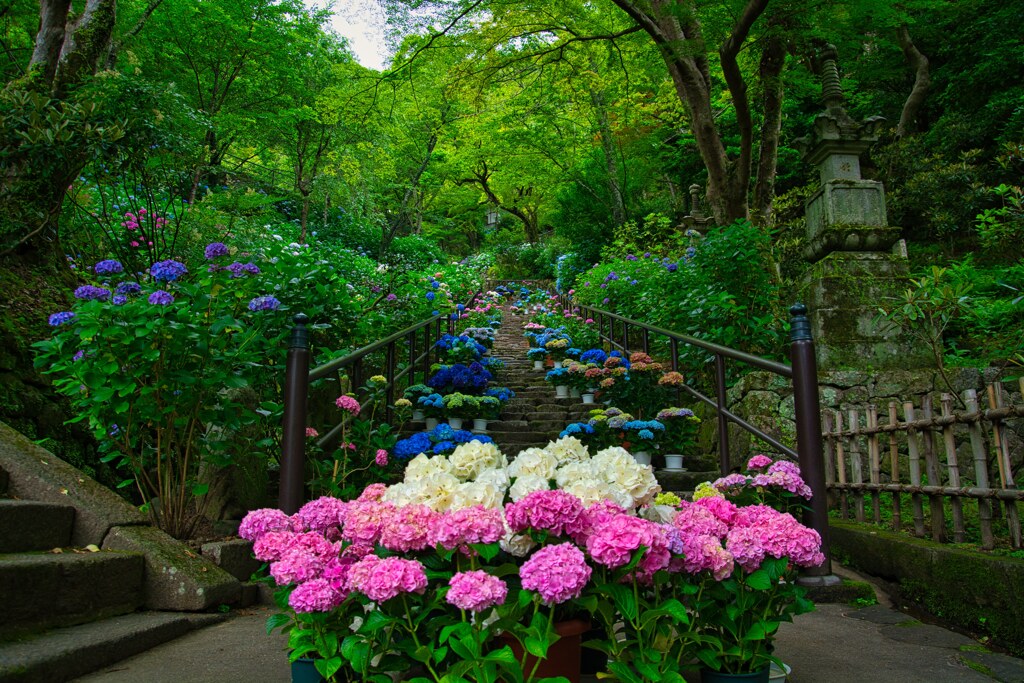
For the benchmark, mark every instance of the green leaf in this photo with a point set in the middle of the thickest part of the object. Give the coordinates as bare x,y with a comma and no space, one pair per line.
759,580
328,667
276,621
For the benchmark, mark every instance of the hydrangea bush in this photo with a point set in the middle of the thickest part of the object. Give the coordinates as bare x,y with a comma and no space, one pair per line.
427,572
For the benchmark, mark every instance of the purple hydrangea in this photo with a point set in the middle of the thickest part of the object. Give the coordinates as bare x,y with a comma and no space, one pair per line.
239,269
79,355
215,249
119,300
161,298
391,297
672,267
108,267
264,303
127,288
91,293
167,271
58,319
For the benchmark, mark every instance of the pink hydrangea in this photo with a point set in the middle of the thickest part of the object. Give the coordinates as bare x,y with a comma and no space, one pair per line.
729,481
348,403
324,514
476,591
374,492
556,572
784,480
311,433
723,510
554,511
315,595
273,545
705,553
381,458
460,528
383,579
259,522
408,529
698,520
785,466
761,531
759,462
594,517
296,565
364,519
613,543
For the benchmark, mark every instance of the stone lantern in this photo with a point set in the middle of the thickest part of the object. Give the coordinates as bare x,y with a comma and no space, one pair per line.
859,262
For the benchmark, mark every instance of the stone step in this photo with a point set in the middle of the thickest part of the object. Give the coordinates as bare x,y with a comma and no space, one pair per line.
685,481
66,653
506,437
75,587
27,525
4,481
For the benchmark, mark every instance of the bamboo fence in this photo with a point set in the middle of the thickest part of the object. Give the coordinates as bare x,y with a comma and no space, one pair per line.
913,455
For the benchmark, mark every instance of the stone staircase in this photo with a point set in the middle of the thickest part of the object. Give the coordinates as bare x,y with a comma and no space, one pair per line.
71,602
534,417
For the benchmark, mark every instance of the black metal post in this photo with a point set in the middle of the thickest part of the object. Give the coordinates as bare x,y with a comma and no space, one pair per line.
296,397
625,338
808,437
426,354
723,421
646,339
411,339
389,374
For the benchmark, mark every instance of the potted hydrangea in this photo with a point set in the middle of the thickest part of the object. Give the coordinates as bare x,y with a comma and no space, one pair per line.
559,377
680,431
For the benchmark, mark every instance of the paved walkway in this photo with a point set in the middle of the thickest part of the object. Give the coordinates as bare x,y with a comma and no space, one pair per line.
835,644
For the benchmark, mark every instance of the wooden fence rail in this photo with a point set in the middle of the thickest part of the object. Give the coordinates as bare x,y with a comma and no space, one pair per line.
919,456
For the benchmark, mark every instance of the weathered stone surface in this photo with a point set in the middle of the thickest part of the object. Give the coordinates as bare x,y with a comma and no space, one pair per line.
27,525
966,587
176,579
37,474
234,557
926,635
73,587
63,654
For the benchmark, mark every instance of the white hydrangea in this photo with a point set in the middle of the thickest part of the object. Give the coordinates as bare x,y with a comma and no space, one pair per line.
568,449
423,466
573,471
517,545
533,461
495,477
469,459
477,493
437,491
528,483
402,494
661,514
628,475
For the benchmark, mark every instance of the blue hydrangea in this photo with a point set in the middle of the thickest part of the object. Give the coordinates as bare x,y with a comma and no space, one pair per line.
58,319
430,296
108,267
444,447
119,300
595,356
413,446
645,434
237,269
215,249
92,293
264,303
128,288
161,298
167,271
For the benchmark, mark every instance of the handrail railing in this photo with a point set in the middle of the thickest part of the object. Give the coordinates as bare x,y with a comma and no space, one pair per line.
298,377
802,371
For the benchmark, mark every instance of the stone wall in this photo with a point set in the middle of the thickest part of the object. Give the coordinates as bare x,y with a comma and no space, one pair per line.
766,401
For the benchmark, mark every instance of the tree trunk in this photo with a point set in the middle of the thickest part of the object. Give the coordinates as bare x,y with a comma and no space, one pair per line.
305,218
611,151
53,19
922,82
85,45
772,61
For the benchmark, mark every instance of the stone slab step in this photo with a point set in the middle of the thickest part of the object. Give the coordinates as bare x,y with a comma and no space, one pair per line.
683,481
518,438
27,525
46,590
66,653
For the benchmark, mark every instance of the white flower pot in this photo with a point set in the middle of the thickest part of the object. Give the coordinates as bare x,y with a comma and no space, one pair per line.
538,365
455,422
431,423
673,461
417,415
479,426
574,392
777,674
558,364
642,457
561,391
588,399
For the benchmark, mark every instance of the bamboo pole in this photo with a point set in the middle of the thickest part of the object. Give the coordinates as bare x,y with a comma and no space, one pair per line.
894,468
953,471
915,470
874,457
844,505
980,472
856,464
830,463
1003,454
931,463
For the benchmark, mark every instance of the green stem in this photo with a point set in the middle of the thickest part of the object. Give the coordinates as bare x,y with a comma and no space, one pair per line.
547,638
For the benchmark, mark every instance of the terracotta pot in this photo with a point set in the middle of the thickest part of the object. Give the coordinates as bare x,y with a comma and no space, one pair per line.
563,657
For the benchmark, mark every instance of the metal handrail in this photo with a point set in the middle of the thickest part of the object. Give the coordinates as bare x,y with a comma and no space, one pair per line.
803,373
298,377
